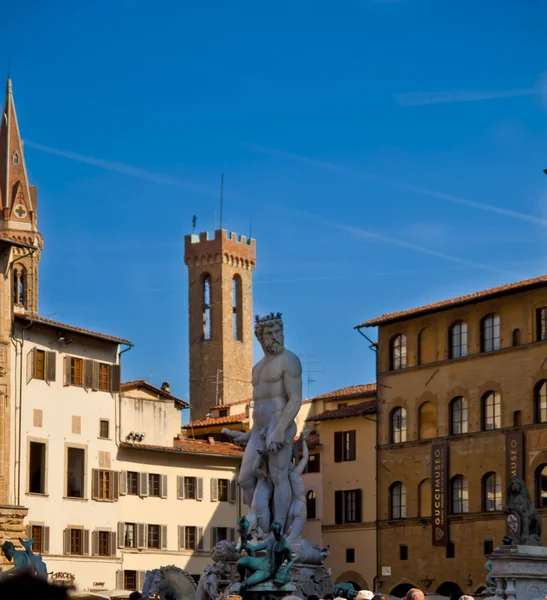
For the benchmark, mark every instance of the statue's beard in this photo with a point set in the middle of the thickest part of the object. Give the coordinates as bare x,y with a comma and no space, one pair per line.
273,347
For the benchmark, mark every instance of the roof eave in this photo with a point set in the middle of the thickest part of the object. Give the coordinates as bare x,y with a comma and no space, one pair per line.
185,452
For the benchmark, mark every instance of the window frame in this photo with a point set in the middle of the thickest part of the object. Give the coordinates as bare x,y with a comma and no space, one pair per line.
104,422
129,531
458,340
458,407
154,485
397,510
398,352
541,494
190,487
190,531
491,323
76,372
151,530
78,539
492,485
541,324
400,430
459,495
489,421
540,401
311,505
223,490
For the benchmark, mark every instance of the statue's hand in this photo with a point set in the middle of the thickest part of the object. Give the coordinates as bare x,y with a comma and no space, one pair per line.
275,440
239,437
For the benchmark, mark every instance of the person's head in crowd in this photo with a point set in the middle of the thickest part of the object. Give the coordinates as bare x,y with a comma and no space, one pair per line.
415,594
135,596
364,595
313,597
328,597
465,597
28,587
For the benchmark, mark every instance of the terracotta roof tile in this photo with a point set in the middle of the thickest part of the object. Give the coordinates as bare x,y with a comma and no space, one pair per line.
502,290
192,447
210,421
348,393
43,321
354,410
313,440
248,401
141,383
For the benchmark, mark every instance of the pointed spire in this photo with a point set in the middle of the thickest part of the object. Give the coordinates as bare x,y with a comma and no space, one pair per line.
17,197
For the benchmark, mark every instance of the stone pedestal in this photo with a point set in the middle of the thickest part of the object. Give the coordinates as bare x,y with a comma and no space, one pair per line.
520,572
11,527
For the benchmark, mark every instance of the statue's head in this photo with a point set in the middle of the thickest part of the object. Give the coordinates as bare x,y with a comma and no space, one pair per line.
276,529
8,549
269,332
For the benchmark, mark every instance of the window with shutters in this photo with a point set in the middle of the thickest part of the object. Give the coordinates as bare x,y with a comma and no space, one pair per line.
37,534
344,446
75,476
105,484
130,580
130,535
347,506
40,368
76,541
76,369
154,536
104,429
311,504
190,488
132,483
104,377
314,464
223,487
154,485
37,468
190,538
222,533
104,543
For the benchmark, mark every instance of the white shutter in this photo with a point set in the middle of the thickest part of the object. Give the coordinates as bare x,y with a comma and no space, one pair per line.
231,534
180,487
143,484
119,580
200,545
214,537
141,576
142,537
31,362
181,537
163,536
66,370
123,483
199,488
112,541
45,540
121,534
232,491
163,486
214,489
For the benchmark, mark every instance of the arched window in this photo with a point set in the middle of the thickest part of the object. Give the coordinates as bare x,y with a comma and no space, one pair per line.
491,493
237,298
490,333
491,411
207,307
428,421
458,340
398,352
459,495
398,425
458,416
311,502
397,494
541,401
20,287
541,486
15,158
516,337
424,498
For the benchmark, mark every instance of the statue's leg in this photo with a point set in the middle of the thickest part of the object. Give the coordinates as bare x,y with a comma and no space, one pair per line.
247,479
279,472
242,566
257,577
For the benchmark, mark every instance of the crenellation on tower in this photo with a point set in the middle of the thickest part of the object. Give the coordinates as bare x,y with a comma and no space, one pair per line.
220,318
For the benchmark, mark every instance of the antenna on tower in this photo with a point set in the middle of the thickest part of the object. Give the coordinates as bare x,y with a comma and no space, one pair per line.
9,66
309,370
194,221
221,197
250,229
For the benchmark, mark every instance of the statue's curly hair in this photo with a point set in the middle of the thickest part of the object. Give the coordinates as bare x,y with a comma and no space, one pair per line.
267,321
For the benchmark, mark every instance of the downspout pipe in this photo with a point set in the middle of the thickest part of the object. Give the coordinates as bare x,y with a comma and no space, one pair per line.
374,347
119,415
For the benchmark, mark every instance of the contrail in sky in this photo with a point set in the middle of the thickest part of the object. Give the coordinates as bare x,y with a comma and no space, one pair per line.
335,168
124,169
422,98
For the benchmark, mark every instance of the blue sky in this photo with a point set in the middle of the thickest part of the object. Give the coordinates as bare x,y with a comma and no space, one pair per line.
388,154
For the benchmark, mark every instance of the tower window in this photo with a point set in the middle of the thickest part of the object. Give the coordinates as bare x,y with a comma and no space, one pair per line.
15,158
237,297
207,307
20,287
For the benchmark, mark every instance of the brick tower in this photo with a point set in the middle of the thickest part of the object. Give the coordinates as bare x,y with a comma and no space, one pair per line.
220,311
